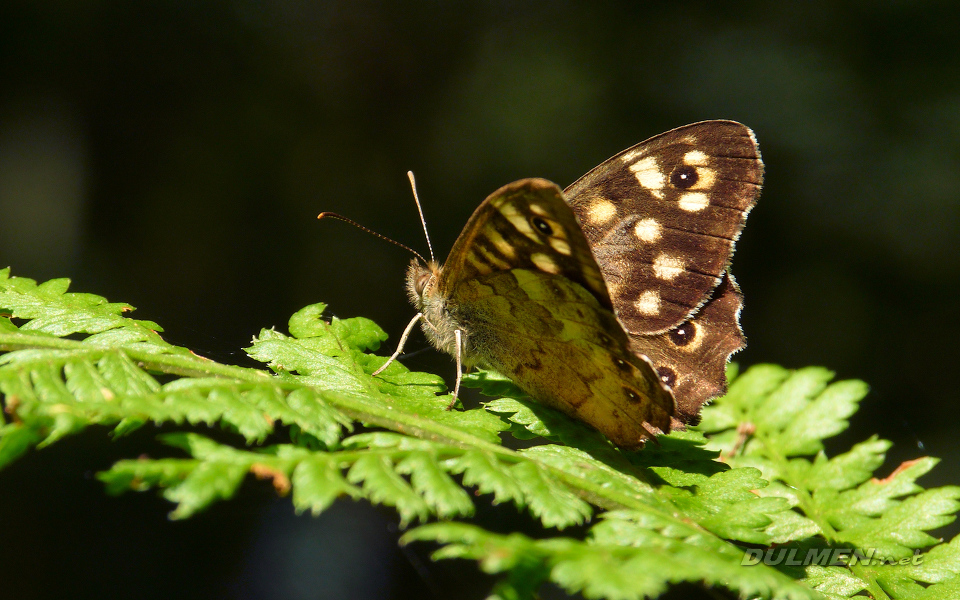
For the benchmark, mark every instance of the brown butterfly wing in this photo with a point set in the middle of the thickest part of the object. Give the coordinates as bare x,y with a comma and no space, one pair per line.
522,284
552,338
692,357
662,218
524,225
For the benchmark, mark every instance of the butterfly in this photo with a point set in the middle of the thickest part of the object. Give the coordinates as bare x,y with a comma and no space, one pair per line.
609,301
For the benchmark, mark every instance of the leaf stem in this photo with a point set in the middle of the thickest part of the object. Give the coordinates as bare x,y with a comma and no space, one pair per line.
171,359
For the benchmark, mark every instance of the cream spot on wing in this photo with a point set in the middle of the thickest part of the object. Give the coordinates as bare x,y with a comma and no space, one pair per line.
694,201
629,156
491,258
705,178
545,263
601,211
481,267
498,201
696,157
647,230
648,303
560,246
538,210
667,267
505,247
519,221
648,173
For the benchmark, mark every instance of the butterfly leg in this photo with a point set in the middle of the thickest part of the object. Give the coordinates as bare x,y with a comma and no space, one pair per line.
456,386
403,341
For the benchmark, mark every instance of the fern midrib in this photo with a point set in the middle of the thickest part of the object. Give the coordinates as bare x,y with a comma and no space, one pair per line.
162,361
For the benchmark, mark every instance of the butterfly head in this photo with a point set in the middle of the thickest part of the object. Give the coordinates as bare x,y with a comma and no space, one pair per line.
423,287
422,282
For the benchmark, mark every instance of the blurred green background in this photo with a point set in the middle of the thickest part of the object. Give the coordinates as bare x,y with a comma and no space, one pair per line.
175,155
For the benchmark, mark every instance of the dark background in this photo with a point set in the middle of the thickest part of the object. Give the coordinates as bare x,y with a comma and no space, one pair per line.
174,155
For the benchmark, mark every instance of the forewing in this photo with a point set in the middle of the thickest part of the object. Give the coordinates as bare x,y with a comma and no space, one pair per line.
523,225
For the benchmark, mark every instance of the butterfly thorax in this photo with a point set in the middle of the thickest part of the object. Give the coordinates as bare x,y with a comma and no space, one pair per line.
438,324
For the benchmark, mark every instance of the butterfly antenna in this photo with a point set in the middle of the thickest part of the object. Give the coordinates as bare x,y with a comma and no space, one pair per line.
331,215
413,186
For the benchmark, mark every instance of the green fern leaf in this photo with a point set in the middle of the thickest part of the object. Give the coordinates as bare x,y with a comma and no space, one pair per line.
598,570
780,417
383,485
15,440
902,528
482,469
669,513
547,498
441,493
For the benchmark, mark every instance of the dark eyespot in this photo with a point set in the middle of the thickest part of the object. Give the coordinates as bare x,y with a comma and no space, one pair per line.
632,396
667,375
622,364
684,334
684,177
542,226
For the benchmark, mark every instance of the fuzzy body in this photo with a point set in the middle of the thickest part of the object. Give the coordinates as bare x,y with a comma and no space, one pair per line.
439,325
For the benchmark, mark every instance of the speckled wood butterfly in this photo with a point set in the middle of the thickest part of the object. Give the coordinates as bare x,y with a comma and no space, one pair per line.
609,301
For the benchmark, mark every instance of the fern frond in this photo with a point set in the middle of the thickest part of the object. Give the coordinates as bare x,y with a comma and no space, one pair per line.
775,420
597,568
670,513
